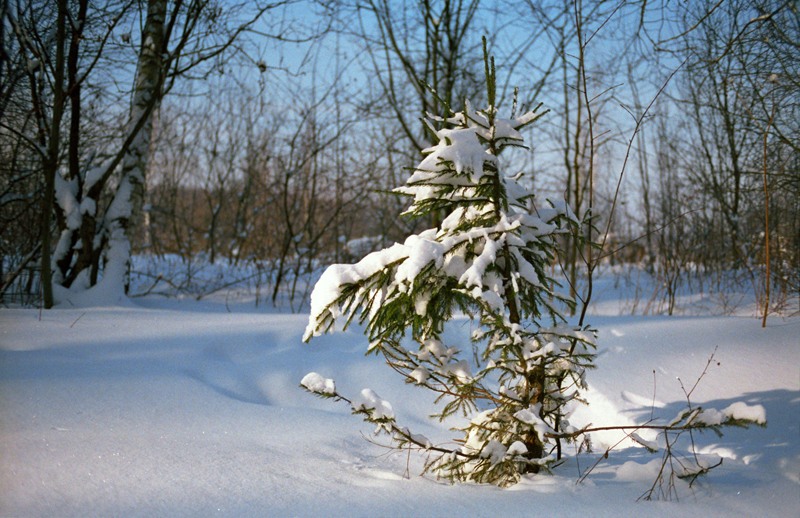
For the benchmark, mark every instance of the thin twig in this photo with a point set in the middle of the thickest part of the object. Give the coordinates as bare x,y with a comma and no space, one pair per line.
76,320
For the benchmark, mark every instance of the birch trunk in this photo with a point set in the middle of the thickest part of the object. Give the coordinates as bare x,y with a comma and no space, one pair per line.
129,195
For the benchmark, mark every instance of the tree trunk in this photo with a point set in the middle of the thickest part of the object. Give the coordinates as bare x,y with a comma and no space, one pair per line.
129,196
53,151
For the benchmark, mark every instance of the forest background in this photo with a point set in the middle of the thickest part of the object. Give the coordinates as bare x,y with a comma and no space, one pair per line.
267,136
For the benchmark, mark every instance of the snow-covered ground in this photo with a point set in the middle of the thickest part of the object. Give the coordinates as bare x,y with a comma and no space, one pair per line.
163,407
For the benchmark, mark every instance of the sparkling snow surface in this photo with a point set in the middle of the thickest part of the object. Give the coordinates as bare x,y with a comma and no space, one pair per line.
179,408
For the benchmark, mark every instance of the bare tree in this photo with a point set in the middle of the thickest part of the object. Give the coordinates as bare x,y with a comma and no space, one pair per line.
178,39
741,99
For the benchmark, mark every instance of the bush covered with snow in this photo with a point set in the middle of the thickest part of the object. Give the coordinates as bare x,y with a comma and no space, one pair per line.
488,258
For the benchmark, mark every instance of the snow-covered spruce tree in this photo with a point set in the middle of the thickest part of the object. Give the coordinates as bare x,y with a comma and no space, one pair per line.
488,259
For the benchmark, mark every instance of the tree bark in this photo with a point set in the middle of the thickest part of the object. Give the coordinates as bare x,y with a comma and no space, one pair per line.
129,196
53,151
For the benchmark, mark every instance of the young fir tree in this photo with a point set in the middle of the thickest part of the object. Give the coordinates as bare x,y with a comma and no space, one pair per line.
487,259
